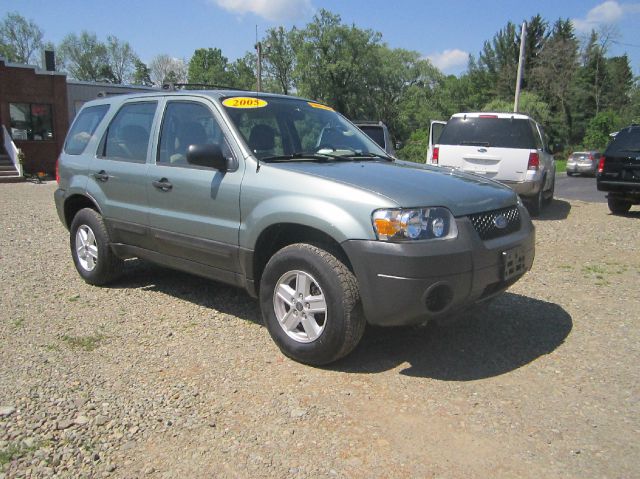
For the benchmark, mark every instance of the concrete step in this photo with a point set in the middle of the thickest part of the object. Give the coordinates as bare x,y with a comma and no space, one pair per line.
8,173
12,179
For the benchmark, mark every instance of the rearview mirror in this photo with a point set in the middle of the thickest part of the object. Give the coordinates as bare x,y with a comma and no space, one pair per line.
207,155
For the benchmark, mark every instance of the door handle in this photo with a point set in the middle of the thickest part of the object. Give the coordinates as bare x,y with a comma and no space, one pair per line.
163,184
101,176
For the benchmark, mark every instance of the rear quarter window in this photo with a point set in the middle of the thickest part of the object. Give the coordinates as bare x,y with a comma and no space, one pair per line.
489,132
83,129
627,141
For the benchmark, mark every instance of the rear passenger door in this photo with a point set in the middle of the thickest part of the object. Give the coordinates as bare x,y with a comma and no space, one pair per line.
194,210
117,173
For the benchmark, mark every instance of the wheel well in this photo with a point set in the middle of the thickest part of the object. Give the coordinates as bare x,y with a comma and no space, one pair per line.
75,203
276,237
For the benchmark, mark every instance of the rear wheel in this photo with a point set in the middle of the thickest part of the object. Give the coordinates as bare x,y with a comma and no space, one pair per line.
90,249
548,196
618,206
308,299
535,203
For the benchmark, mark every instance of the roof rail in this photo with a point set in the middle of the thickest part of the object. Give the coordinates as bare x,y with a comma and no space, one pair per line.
201,86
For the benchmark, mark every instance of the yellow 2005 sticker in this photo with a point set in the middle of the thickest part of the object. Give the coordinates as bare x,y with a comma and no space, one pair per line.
244,102
320,105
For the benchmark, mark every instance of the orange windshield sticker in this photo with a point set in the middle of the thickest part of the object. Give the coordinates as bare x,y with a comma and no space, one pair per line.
320,105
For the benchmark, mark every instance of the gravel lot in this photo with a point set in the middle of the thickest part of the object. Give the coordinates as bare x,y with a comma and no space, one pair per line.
168,375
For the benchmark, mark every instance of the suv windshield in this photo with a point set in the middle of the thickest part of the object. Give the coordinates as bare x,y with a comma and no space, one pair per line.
494,132
276,127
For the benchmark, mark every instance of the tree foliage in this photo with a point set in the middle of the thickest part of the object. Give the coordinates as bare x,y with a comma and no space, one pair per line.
20,39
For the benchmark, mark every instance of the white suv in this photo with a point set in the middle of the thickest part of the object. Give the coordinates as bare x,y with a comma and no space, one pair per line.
508,147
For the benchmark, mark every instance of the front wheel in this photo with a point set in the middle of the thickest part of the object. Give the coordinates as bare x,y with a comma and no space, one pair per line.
618,207
90,249
308,299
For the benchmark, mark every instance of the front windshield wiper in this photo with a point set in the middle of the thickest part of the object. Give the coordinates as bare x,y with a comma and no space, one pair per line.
301,155
370,155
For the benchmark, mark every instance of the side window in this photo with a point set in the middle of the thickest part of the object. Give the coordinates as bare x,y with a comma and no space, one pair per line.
83,129
127,137
536,136
187,123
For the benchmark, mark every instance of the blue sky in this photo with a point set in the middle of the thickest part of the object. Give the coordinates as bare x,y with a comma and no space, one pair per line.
445,32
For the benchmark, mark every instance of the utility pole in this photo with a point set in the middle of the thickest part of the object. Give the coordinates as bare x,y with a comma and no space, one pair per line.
523,35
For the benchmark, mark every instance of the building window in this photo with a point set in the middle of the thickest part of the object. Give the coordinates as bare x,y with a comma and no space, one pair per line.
31,121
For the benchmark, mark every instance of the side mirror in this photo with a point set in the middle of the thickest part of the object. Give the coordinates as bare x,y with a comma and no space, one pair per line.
207,155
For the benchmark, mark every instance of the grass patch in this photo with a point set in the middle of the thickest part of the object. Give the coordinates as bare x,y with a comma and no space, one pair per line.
17,323
73,298
52,347
594,269
16,450
561,166
87,343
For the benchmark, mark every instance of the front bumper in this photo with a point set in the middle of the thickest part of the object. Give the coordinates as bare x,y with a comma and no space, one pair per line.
398,281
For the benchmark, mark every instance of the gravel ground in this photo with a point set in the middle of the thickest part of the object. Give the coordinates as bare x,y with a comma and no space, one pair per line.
168,375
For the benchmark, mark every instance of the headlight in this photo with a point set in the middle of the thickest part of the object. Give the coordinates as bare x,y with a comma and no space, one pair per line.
414,224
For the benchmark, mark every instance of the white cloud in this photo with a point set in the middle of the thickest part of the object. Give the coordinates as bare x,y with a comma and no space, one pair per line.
607,13
449,59
272,10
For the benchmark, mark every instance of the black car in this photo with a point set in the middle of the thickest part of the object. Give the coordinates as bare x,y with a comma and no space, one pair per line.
619,170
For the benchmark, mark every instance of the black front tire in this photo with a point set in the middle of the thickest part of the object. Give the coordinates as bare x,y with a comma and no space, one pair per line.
343,325
618,206
104,266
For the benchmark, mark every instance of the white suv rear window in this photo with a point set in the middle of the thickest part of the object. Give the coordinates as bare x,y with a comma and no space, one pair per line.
488,132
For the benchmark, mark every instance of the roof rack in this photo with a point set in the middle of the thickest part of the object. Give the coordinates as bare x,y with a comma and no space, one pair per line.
201,86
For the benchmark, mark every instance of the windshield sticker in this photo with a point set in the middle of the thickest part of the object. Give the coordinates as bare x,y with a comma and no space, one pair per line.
320,105
244,102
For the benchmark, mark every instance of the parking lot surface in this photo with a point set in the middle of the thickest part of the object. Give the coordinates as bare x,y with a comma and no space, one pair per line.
168,375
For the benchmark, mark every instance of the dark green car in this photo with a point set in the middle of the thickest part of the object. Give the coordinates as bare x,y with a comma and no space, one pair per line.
284,197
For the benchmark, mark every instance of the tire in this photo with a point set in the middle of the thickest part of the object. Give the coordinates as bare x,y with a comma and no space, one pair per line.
327,286
95,261
570,174
548,197
618,207
536,203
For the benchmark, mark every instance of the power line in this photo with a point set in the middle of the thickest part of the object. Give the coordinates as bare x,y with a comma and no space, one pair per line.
625,44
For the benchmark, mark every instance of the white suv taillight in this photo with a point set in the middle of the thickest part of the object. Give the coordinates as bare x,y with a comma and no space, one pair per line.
534,161
436,155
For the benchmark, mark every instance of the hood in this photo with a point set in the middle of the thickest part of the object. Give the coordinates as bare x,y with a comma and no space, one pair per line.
412,184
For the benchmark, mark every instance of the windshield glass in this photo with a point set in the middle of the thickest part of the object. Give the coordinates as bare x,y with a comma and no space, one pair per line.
277,127
495,132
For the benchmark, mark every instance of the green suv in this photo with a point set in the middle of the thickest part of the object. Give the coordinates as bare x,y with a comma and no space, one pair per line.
286,198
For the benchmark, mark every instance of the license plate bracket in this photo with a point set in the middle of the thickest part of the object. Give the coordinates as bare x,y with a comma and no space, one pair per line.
513,263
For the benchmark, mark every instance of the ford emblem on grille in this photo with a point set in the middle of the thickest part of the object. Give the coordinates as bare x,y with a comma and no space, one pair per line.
500,221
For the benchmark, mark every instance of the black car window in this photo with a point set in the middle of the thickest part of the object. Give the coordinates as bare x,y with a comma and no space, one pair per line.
83,129
187,123
376,133
488,131
127,137
626,141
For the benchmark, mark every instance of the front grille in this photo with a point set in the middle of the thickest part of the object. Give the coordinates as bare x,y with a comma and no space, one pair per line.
485,223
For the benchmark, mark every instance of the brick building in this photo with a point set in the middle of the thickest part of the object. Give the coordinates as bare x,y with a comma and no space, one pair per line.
34,110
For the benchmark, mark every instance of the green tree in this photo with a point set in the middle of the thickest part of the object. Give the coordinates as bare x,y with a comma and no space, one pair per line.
121,59
279,60
243,72
85,58
597,135
530,104
141,74
210,67
332,61
20,39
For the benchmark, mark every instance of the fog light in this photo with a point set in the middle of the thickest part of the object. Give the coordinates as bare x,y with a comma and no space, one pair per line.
437,227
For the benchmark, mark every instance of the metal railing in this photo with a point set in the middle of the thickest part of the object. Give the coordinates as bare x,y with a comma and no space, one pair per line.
12,150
